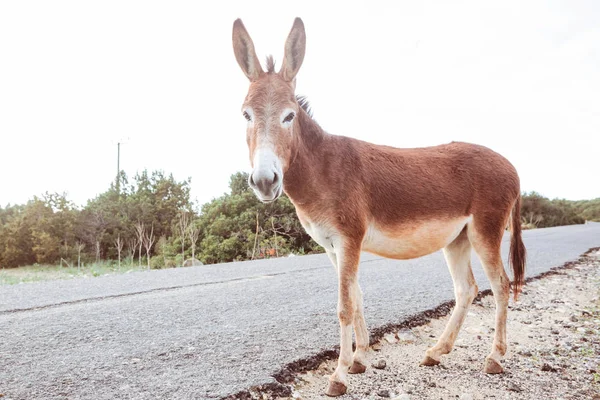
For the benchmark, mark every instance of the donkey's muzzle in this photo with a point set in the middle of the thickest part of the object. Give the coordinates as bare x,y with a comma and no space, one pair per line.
266,184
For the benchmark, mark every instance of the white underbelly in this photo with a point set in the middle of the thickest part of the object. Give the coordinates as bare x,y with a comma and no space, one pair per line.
412,240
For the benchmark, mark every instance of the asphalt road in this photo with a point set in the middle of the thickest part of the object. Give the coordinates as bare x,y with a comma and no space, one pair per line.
206,332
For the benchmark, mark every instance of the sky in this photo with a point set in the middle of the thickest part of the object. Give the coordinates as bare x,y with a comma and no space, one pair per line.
76,78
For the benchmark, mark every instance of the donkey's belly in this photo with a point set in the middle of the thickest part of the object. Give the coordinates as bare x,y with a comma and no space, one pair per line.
412,240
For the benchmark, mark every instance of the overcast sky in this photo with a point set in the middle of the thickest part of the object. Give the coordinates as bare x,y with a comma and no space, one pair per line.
78,76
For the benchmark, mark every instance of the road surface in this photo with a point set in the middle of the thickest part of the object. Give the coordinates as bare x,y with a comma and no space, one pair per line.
210,331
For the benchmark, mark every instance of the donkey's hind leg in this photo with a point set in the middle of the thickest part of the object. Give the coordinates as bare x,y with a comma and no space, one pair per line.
458,257
486,238
361,333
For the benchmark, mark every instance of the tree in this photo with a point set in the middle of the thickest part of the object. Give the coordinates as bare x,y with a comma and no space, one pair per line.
238,183
183,223
17,243
79,246
141,234
148,242
45,238
541,212
234,224
132,245
162,246
119,246
193,232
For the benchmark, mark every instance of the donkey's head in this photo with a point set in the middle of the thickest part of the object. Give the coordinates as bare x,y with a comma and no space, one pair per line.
270,109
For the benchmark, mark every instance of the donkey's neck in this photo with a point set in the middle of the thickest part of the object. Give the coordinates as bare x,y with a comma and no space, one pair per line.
299,182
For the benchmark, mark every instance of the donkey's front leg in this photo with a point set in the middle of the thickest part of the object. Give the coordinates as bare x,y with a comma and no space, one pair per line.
347,260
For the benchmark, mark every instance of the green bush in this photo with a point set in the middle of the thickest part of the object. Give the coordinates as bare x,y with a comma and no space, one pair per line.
157,262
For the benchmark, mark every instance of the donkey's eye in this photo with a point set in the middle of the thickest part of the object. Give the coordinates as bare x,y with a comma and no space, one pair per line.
247,116
289,117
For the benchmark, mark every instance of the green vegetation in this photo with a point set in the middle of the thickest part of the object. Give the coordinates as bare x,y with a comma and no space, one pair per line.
36,272
538,211
151,223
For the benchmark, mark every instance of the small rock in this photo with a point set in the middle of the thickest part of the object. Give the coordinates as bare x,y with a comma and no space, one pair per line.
406,336
379,364
574,318
525,353
512,387
554,332
383,393
548,368
390,338
466,396
403,396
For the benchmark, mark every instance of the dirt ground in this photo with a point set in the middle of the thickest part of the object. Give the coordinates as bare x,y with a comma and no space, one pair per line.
554,349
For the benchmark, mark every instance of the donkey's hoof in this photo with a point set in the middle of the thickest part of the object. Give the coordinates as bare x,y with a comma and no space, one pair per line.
335,389
492,366
429,362
357,368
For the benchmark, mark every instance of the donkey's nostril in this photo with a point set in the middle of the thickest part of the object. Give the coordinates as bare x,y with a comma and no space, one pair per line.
276,178
251,181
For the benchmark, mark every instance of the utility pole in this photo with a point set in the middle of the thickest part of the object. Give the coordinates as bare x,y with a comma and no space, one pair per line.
118,179
118,166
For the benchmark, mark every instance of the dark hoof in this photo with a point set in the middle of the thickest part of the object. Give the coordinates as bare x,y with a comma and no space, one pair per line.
429,362
492,367
357,368
335,389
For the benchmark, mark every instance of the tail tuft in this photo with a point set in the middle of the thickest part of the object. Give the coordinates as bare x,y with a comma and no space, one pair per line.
517,253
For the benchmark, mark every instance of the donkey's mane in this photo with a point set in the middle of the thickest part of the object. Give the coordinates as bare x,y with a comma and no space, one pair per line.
270,65
303,102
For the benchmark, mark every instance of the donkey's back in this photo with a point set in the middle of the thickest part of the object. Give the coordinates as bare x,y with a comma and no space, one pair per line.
439,182
420,199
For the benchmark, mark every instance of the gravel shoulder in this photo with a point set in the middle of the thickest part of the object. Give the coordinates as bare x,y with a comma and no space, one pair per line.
554,349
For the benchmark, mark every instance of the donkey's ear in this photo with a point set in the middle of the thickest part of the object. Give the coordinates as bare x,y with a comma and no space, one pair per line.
243,47
293,55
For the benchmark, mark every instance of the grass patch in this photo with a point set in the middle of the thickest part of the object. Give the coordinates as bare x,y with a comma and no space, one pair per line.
37,273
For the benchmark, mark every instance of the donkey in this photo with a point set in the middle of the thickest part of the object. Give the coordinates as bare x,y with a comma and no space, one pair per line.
401,203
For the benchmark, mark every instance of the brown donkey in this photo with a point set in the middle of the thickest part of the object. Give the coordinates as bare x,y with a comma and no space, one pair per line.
352,195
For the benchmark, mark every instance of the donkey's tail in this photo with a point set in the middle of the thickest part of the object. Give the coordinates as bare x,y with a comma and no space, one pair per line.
517,252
